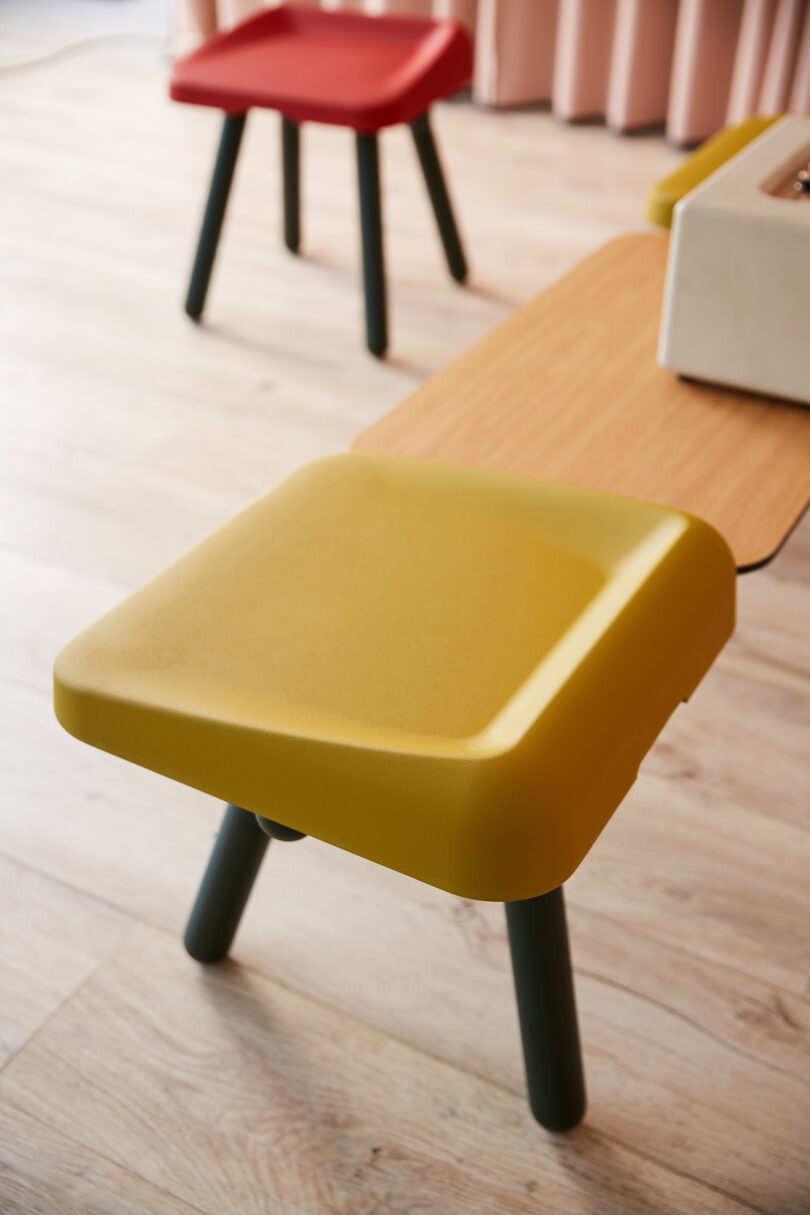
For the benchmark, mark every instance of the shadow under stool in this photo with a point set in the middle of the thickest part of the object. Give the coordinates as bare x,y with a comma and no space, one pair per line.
449,671
341,68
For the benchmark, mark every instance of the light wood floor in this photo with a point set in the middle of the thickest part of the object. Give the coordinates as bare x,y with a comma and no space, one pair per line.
359,1054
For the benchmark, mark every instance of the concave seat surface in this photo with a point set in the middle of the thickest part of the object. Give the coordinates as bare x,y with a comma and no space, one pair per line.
450,671
333,67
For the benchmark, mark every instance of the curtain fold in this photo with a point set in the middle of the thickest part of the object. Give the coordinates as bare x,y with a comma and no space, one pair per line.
702,67
692,65
641,63
514,58
582,58
777,77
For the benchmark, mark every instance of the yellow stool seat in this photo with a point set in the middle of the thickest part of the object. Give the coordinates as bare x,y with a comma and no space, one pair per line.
707,159
452,672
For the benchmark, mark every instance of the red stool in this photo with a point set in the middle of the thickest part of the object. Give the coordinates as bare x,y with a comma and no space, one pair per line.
336,67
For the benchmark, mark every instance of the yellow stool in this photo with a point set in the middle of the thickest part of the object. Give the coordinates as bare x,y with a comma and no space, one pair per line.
452,672
704,161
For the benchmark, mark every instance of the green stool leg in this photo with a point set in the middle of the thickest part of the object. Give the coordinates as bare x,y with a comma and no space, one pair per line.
442,207
544,984
368,170
291,167
226,885
214,213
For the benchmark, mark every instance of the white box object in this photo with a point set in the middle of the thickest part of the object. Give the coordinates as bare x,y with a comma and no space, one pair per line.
737,296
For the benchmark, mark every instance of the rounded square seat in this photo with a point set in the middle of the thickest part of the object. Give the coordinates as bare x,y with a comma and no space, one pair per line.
453,672
334,67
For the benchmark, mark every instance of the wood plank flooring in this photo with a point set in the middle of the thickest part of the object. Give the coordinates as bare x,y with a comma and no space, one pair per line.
359,1054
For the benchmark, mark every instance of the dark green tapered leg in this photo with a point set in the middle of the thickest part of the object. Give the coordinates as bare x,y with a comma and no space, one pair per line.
291,167
214,213
544,984
368,169
226,885
437,189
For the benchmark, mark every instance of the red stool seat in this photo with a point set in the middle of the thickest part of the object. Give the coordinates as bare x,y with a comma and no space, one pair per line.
334,67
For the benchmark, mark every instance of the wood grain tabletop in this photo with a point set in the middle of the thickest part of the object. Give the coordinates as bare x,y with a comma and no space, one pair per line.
568,389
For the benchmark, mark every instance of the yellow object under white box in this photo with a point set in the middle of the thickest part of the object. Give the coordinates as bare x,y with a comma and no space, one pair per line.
736,299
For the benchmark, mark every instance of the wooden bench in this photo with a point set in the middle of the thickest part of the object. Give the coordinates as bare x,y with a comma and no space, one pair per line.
568,390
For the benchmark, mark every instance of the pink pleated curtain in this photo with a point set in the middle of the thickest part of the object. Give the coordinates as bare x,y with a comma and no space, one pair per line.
694,65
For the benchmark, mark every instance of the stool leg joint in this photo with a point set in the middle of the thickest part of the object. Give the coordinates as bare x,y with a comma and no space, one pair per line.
277,831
